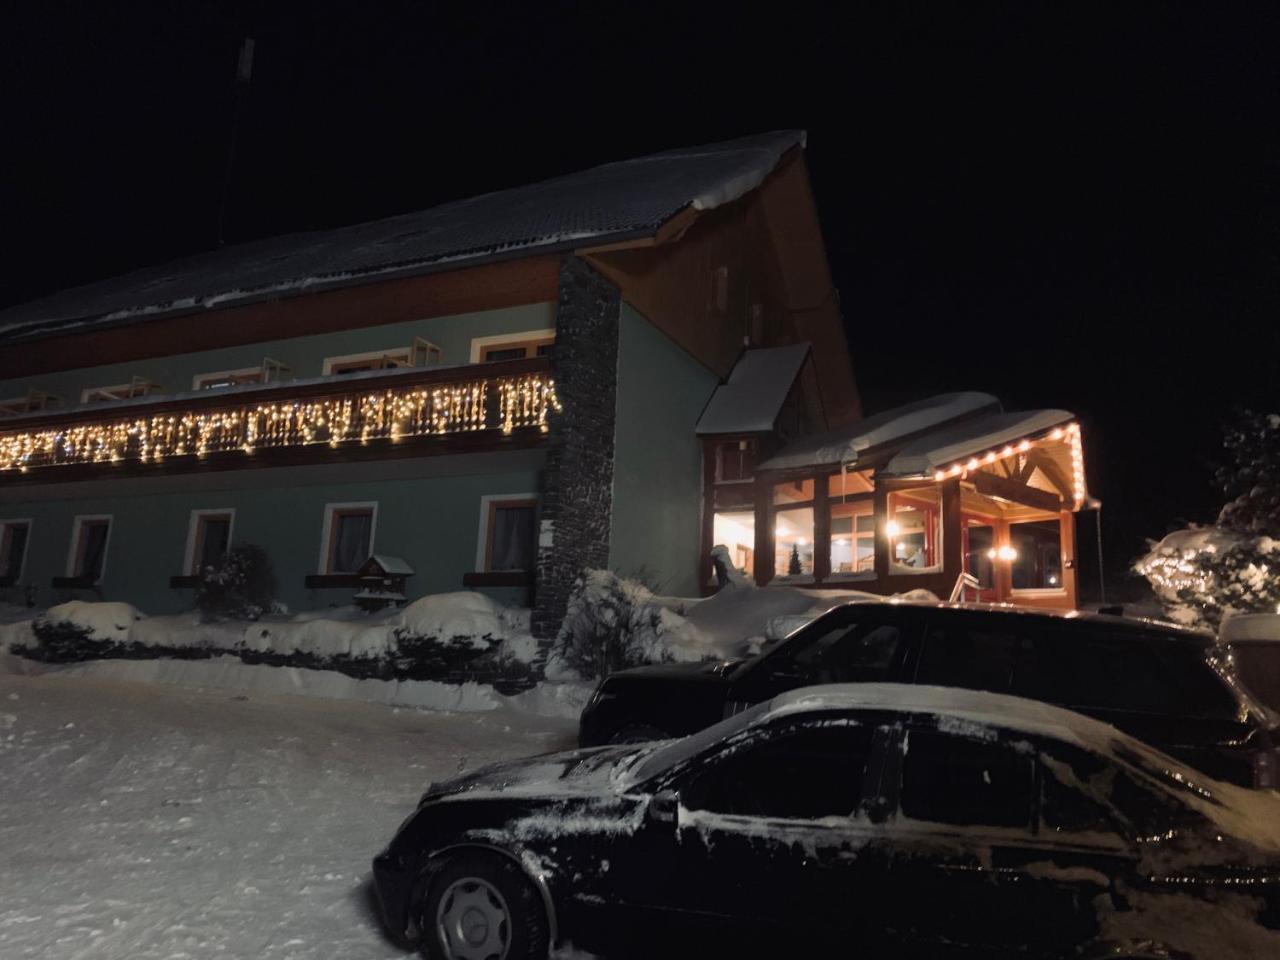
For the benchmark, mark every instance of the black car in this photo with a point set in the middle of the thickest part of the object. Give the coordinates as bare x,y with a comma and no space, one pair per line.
884,820
1163,684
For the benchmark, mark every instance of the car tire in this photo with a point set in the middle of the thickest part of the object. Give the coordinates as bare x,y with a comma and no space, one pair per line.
480,905
639,733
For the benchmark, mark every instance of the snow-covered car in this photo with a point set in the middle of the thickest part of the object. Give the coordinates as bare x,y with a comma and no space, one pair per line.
884,819
1163,684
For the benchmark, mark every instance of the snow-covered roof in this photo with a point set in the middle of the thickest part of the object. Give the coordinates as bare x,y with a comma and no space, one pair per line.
958,441
845,444
615,201
749,401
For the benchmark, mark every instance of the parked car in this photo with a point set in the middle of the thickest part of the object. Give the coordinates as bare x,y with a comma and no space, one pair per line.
880,819
1161,683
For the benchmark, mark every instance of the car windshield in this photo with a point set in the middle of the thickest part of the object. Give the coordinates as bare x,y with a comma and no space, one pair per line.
678,751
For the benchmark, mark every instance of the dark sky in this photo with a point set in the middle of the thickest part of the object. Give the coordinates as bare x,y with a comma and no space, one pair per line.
1064,204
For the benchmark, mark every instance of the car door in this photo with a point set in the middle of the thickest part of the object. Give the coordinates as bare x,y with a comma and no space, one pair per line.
774,834
858,644
971,863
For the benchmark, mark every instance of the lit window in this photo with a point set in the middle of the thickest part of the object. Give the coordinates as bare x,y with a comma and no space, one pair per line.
513,346
88,558
793,528
1037,564
508,533
348,536
14,536
914,529
208,539
853,537
736,532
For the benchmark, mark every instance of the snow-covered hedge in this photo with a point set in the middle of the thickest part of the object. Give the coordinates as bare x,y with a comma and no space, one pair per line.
451,636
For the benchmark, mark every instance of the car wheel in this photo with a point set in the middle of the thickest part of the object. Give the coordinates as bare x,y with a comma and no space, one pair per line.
481,906
639,733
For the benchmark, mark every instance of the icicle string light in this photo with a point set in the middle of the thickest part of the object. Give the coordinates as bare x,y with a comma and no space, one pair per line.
506,404
1071,433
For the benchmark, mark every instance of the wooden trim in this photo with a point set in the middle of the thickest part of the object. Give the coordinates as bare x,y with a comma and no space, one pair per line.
708,518
764,559
990,485
331,581
498,578
358,304
821,530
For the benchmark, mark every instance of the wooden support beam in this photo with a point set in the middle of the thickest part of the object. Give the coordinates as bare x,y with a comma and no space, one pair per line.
988,484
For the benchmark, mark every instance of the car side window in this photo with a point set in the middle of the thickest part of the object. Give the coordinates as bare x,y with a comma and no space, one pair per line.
954,779
968,654
858,653
799,771
1073,789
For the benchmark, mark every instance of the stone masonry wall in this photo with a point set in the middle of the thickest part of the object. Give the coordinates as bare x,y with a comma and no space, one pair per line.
577,485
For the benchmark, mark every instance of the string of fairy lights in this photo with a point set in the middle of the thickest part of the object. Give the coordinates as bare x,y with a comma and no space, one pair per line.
507,404
1071,433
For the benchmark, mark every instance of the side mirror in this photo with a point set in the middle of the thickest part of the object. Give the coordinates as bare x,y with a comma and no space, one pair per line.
663,806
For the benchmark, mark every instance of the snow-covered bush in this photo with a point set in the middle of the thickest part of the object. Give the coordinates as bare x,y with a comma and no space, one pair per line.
77,631
1203,575
611,624
240,586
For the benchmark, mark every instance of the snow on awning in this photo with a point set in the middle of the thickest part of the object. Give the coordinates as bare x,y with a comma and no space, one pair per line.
843,446
940,449
749,402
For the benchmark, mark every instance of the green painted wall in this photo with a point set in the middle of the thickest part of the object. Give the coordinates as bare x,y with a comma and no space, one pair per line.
428,513
657,476
304,355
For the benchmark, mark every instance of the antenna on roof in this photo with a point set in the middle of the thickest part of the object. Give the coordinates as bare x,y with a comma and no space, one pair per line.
244,74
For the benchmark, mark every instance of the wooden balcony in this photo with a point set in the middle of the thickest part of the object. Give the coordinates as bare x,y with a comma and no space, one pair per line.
412,412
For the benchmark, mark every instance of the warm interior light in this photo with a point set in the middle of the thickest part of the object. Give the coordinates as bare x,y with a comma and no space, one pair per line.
1008,553
991,554
892,529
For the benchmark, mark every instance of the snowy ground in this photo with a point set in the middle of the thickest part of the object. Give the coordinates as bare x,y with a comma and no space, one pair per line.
159,822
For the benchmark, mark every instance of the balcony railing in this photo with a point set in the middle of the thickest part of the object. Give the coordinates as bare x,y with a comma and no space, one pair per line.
501,398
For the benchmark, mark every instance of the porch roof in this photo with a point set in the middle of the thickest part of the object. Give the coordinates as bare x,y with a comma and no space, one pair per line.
941,448
749,402
845,445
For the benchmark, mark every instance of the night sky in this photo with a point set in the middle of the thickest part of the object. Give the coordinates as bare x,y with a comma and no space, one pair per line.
1067,205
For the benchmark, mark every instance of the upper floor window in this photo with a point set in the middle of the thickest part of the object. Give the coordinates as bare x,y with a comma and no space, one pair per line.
735,461
347,540
33,401
513,346
90,538
14,536
419,353
267,372
136,387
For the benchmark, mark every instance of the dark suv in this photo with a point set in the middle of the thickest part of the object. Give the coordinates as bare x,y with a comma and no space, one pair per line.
1158,682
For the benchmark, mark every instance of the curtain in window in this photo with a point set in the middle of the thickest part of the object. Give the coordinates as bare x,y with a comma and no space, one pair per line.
512,538
95,550
352,548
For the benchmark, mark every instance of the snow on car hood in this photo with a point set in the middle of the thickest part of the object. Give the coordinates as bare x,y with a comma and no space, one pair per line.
574,772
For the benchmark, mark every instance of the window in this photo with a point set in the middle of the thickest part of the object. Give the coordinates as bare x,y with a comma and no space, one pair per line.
508,533
268,372
137,387
31,402
348,536
964,652
513,346
793,528
797,772
858,653
91,535
735,461
1071,785
955,780
420,353
208,538
853,537
979,558
914,529
735,530
1037,564
14,536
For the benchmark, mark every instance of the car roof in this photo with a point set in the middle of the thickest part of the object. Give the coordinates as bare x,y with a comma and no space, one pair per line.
1062,616
996,710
